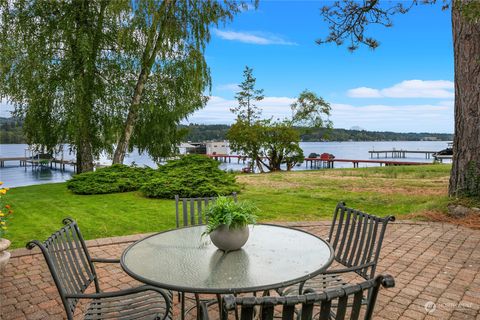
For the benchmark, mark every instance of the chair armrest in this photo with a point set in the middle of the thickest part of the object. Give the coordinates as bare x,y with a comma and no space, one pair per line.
345,270
102,260
102,295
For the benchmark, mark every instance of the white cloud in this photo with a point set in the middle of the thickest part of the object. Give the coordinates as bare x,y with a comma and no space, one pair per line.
252,37
218,110
439,89
228,87
364,92
414,117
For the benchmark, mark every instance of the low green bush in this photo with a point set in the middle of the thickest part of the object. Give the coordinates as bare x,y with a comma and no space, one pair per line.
190,176
113,179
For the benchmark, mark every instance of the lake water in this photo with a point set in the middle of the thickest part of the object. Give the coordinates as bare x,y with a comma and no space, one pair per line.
13,175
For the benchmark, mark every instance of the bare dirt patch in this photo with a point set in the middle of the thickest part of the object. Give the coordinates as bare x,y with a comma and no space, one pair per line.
470,221
412,191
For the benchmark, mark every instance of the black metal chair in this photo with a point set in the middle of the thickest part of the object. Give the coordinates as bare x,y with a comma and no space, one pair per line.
333,303
73,272
189,211
356,238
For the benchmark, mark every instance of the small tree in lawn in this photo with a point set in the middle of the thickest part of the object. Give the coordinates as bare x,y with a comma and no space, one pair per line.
244,133
246,97
281,139
309,111
280,145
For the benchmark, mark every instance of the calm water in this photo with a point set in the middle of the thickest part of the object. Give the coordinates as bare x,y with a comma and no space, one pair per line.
13,175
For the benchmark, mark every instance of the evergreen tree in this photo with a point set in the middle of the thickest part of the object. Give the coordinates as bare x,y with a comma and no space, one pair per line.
247,110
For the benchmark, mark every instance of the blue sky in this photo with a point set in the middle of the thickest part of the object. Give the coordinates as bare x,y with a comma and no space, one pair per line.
404,85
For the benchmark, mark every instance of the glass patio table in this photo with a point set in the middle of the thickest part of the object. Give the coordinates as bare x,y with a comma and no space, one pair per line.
182,260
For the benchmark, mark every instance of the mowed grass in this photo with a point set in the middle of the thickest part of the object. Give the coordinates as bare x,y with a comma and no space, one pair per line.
283,196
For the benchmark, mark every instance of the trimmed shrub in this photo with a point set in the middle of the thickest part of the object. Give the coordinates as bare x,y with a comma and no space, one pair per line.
116,178
190,176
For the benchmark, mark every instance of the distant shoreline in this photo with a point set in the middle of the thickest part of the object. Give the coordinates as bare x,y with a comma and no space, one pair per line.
11,133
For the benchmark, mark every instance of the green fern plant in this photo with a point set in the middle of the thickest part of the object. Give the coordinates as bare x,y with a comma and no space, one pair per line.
225,211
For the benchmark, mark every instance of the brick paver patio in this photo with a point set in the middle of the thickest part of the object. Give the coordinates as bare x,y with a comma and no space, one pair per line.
432,263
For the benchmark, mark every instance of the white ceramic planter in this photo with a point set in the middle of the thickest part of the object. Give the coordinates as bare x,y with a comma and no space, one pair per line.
229,239
4,255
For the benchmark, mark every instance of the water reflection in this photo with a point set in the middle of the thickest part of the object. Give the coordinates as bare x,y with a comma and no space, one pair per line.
229,269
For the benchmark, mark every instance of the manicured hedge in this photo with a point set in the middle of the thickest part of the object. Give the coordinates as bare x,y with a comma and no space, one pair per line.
189,176
113,179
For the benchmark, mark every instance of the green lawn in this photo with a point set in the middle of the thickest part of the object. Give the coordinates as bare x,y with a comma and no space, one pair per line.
285,196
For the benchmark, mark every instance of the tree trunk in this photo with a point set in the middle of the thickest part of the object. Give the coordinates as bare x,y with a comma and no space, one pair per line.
84,157
466,145
149,54
124,140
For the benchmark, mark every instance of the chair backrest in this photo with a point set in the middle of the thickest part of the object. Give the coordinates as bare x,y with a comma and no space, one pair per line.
69,262
334,303
190,211
357,238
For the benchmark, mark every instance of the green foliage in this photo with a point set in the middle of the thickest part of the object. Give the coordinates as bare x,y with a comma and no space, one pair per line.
269,143
11,131
113,179
246,139
309,111
97,73
244,136
202,132
282,196
225,211
281,146
470,10
190,176
246,97
167,73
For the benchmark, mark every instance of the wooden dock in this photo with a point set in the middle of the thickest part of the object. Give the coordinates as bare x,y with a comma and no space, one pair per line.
22,161
322,163
319,163
399,153
34,162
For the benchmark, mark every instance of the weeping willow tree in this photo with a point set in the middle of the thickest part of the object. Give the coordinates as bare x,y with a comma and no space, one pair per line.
102,73
54,62
172,74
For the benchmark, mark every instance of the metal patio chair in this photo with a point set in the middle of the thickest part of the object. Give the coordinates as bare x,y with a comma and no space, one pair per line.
333,303
356,238
73,272
190,211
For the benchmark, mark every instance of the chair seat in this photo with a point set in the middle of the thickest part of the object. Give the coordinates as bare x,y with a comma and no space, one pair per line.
143,305
324,281
318,284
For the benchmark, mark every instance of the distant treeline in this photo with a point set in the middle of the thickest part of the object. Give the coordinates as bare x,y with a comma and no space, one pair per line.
201,132
11,132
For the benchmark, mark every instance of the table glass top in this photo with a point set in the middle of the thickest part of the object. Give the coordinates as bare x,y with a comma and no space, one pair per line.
183,260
